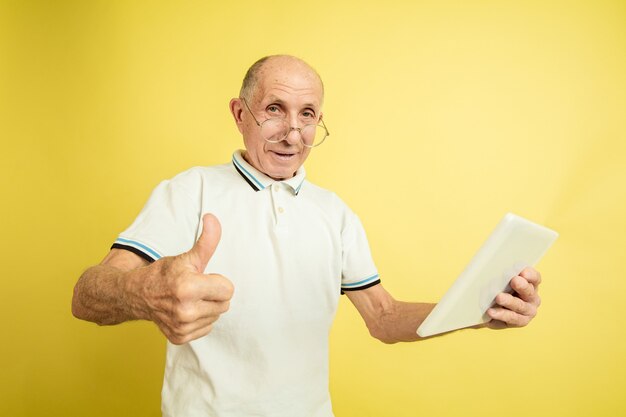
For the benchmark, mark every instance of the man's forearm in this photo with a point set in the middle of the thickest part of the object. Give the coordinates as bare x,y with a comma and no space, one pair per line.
388,320
400,320
102,295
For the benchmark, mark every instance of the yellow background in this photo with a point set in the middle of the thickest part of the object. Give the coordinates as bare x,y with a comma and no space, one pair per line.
444,115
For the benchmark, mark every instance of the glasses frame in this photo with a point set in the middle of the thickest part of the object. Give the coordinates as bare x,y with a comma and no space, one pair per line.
298,129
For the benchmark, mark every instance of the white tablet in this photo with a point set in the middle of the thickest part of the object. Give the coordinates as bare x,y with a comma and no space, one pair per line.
514,244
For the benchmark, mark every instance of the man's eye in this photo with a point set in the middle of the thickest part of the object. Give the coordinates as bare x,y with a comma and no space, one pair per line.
273,109
308,114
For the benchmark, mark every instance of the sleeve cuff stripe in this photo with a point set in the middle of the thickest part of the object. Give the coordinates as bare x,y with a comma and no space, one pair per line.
133,250
127,242
371,284
360,283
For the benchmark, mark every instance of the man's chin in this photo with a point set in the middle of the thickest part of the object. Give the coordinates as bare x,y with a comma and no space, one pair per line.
281,170
282,173
279,176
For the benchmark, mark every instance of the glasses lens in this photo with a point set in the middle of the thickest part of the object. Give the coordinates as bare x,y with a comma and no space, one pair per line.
313,135
274,130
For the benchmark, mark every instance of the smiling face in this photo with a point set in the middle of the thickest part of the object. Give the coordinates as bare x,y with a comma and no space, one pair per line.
286,87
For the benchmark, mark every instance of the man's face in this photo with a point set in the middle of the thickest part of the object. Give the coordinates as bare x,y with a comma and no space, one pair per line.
285,89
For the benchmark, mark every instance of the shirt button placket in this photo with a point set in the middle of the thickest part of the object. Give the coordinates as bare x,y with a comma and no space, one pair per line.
279,208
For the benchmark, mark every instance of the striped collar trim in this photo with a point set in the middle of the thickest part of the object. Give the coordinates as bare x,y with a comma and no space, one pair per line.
259,181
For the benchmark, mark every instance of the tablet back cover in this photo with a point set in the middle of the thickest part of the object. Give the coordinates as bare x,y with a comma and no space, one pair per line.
514,244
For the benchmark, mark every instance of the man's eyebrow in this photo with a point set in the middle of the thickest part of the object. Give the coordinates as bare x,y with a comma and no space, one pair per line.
277,100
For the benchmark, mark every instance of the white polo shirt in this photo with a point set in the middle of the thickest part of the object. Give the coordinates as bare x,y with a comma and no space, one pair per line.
289,248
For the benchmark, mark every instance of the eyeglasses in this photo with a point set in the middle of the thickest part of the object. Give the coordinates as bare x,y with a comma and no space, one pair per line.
276,129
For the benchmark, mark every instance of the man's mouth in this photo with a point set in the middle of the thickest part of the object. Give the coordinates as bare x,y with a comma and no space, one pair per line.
283,155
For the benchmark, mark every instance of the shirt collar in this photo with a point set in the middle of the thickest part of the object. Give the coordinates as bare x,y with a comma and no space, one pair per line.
259,181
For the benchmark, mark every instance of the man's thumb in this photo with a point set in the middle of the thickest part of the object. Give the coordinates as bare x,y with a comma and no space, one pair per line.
202,251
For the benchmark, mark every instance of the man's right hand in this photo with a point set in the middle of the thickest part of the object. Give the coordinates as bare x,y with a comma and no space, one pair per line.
177,295
173,292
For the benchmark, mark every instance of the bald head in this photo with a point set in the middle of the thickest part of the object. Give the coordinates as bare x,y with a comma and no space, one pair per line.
273,64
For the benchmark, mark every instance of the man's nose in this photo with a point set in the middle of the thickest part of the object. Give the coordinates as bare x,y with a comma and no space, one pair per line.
294,136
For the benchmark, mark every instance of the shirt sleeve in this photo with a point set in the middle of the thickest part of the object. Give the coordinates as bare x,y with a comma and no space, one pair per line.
167,225
358,270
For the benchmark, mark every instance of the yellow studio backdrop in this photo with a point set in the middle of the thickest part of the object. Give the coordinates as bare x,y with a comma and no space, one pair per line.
443,116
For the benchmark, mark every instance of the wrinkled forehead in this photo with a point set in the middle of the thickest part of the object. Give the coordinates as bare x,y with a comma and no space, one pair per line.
289,80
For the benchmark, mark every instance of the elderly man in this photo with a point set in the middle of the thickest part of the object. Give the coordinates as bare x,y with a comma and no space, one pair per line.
256,343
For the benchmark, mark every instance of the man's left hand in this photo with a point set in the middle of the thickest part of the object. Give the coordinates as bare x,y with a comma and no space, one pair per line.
519,308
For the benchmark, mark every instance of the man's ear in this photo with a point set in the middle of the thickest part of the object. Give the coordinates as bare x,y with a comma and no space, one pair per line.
236,109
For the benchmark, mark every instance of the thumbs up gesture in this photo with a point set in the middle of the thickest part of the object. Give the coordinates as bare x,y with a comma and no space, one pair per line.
182,300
